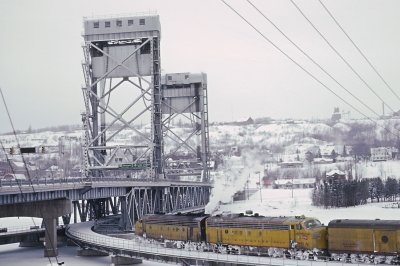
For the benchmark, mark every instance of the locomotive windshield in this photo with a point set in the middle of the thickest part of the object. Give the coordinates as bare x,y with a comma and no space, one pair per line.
312,223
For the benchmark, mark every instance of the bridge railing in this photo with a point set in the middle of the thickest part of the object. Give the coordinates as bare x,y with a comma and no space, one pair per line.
146,248
135,248
77,180
19,229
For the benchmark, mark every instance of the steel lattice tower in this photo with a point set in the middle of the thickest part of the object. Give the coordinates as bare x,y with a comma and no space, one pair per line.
187,154
119,53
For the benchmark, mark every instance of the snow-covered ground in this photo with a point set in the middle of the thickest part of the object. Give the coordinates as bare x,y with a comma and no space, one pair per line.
14,255
275,202
279,202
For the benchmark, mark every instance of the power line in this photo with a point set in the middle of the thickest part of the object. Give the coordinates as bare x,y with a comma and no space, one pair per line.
27,172
359,50
311,59
300,66
340,55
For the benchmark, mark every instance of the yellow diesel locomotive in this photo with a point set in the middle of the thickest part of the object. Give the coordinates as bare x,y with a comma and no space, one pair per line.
263,232
355,240
364,236
172,227
236,229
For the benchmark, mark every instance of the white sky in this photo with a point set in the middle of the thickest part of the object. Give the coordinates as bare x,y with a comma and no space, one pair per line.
40,55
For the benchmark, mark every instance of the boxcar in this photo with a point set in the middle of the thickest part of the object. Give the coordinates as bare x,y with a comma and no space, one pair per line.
364,236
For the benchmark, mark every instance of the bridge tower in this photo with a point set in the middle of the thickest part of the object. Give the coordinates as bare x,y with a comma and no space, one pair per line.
122,91
185,126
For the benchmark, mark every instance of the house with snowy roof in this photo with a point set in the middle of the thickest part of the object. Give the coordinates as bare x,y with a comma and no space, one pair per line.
335,175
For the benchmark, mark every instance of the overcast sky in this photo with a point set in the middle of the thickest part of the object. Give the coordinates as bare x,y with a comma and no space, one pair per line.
40,55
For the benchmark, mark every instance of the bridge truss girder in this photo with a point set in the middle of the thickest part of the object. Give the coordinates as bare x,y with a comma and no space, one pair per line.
140,201
92,209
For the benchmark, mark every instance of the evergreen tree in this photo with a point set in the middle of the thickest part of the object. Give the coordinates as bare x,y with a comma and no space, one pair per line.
344,151
334,155
362,191
376,189
390,189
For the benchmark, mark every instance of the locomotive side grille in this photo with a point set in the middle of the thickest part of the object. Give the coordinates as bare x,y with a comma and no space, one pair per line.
249,225
176,223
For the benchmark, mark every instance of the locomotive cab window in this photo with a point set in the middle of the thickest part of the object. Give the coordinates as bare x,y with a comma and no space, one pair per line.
313,223
299,227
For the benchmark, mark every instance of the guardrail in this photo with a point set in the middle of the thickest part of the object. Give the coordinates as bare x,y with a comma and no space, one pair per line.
78,180
19,229
143,248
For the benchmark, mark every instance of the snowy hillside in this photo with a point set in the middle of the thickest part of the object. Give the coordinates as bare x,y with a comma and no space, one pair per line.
279,202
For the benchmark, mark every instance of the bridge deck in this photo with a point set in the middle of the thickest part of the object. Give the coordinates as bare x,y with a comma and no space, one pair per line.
79,189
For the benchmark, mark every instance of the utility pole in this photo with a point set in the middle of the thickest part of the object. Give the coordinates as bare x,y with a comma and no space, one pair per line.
259,184
247,187
292,186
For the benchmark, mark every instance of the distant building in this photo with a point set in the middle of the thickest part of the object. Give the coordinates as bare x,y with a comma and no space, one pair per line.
12,167
336,116
235,151
14,177
4,168
268,181
344,159
294,183
381,154
294,164
326,150
335,175
323,161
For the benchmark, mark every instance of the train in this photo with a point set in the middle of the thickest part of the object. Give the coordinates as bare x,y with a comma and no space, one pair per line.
341,239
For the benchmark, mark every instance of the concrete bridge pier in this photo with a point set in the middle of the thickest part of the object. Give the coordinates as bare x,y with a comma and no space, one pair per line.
49,210
50,236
